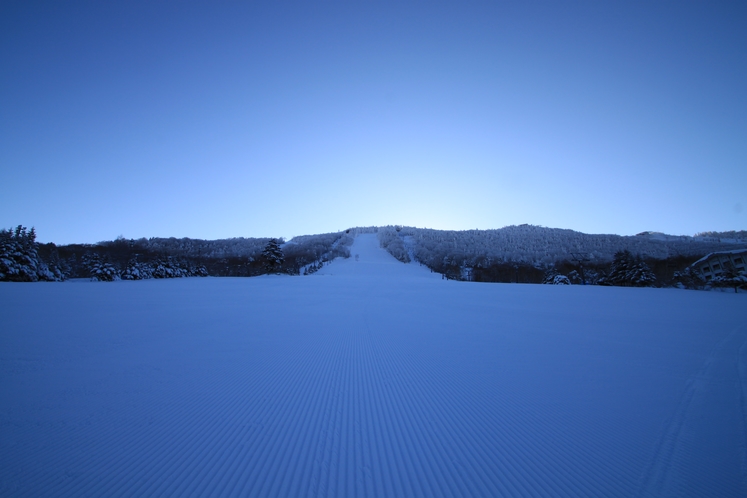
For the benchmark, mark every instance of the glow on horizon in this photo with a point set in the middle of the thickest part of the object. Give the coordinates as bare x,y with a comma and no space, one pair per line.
287,119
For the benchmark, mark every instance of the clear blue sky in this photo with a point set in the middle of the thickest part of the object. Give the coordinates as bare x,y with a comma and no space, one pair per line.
280,118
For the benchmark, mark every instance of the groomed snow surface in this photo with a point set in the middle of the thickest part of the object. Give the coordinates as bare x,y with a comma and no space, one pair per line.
370,378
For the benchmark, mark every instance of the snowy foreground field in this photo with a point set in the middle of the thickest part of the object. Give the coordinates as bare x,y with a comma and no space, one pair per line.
370,378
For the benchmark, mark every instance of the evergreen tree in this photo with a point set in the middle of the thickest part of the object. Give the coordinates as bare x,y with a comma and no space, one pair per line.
272,256
137,270
689,278
169,268
641,275
99,269
629,271
19,259
550,276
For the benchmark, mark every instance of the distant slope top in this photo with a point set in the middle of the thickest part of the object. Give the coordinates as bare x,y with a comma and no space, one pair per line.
368,259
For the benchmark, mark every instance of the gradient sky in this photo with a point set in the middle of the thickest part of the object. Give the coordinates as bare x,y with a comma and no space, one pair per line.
261,119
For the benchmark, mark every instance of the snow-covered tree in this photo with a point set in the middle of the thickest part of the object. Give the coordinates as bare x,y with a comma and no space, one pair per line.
730,277
272,256
198,271
313,268
99,269
19,259
629,271
137,270
168,268
550,276
689,278
390,238
162,268
561,280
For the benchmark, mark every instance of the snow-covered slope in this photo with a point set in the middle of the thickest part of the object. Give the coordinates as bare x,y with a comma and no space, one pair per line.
372,378
368,260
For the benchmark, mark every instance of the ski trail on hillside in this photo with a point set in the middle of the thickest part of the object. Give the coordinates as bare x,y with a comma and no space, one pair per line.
368,259
676,449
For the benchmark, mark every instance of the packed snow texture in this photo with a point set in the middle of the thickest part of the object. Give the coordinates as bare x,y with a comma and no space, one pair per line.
370,378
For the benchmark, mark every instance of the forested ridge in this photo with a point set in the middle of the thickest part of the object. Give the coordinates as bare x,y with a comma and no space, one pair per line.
523,253
535,254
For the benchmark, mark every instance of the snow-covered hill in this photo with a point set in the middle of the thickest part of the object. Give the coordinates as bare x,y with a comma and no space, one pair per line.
486,254
346,384
546,246
367,259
